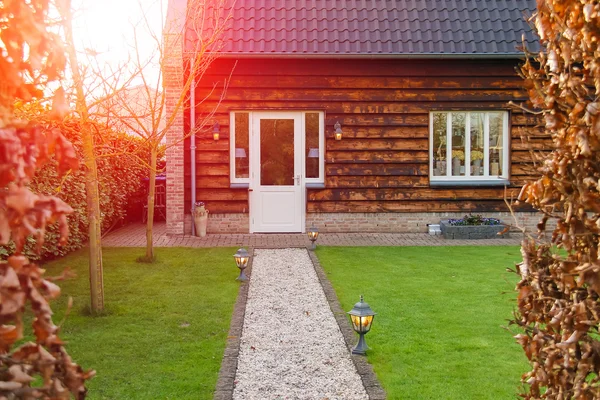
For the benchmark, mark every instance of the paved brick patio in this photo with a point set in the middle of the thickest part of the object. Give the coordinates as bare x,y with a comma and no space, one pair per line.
134,235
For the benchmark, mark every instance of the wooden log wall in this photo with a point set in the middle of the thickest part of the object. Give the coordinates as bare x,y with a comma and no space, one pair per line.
382,163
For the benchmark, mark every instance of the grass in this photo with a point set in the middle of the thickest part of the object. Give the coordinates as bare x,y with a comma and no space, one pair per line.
438,332
165,327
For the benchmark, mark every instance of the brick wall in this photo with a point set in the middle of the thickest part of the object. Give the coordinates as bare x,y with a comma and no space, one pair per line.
403,222
222,223
173,86
361,222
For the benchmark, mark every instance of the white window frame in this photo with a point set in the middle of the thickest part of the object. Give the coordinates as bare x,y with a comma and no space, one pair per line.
308,181
469,179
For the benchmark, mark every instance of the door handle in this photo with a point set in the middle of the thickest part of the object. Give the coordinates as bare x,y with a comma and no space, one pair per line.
298,180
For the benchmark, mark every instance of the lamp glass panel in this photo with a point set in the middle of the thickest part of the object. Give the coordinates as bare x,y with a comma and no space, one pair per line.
440,122
242,130
367,321
311,126
356,323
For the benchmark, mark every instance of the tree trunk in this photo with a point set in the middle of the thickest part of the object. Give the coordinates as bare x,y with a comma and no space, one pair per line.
151,191
91,185
95,224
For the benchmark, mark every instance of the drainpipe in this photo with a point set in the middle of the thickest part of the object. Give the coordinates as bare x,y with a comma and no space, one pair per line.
193,148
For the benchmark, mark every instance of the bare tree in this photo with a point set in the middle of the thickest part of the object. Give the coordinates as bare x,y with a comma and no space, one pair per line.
87,132
142,109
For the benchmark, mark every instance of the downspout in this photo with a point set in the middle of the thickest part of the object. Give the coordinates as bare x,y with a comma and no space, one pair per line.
193,148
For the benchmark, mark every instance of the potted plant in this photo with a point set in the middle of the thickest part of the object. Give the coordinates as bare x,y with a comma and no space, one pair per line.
476,157
457,157
200,214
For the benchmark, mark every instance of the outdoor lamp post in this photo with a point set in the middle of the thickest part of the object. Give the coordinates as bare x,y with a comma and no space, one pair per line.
361,317
241,260
216,129
313,234
338,131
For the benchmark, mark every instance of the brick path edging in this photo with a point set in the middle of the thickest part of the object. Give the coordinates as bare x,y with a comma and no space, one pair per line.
226,379
364,369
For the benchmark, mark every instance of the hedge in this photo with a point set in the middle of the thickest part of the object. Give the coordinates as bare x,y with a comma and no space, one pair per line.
120,175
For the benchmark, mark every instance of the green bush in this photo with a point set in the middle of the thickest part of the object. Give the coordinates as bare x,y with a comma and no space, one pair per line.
120,175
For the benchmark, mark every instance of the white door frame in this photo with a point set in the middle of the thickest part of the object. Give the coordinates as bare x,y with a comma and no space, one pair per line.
256,190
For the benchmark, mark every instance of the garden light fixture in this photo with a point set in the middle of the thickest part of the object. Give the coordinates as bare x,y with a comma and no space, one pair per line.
361,317
216,130
241,260
313,234
338,131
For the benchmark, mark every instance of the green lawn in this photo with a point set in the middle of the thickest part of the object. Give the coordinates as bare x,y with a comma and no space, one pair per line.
165,330
438,333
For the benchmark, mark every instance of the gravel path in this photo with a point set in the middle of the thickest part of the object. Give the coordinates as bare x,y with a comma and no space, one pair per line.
291,345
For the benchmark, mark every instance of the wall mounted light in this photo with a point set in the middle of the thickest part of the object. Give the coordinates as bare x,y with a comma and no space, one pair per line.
338,131
216,130
361,317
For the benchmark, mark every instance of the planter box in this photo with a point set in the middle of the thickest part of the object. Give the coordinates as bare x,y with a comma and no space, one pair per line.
472,231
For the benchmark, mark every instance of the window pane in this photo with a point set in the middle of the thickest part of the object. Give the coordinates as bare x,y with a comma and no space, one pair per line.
242,151
311,124
458,144
496,141
277,152
477,121
440,123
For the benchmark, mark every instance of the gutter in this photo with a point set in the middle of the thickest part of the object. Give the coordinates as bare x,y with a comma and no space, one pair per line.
446,56
193,149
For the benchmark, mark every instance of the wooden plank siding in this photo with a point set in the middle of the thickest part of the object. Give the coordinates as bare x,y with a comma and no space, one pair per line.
382,162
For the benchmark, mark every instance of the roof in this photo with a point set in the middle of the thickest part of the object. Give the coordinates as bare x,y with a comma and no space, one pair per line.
378,28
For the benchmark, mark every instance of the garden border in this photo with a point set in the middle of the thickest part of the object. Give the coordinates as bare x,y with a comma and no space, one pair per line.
364,369
226,378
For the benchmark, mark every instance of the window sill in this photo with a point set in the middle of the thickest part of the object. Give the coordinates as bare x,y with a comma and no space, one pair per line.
239,185
469,182
315,185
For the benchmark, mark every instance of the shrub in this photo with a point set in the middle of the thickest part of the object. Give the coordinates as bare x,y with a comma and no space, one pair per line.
120,173
474,220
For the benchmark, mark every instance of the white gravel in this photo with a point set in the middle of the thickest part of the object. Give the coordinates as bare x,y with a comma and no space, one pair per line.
291,345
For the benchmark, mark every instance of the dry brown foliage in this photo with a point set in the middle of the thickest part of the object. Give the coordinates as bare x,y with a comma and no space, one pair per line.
30,57
558,295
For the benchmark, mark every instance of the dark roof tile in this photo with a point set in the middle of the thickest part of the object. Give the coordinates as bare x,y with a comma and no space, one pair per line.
383,27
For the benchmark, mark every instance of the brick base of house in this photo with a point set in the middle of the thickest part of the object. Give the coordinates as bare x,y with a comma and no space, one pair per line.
222,223
405,222
362,222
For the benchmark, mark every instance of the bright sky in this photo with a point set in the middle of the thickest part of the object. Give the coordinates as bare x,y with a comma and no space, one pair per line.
106,26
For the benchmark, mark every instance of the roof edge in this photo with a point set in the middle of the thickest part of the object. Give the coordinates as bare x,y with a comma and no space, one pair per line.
480,56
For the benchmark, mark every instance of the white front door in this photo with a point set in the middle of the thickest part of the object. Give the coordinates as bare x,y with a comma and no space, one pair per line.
276,201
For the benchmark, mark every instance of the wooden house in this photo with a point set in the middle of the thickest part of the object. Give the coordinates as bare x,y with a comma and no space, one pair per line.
354,116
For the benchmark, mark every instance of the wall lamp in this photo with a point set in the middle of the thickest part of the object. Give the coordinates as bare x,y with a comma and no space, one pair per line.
338,131
216,130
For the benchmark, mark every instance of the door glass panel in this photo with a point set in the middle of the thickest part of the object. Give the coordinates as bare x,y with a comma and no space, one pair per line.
277,152
496,140
242,153
311,124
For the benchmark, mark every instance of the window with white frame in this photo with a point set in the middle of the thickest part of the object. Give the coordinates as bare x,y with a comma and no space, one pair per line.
468,146
312,142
